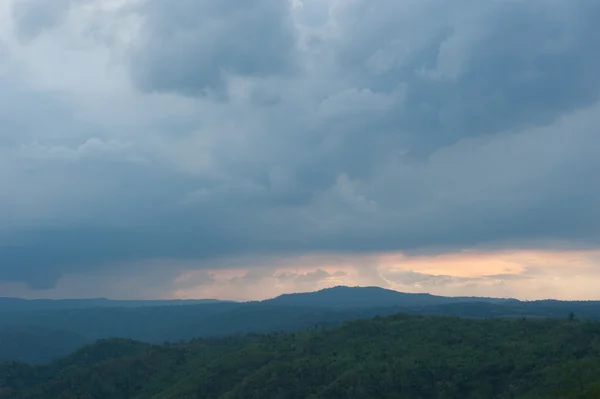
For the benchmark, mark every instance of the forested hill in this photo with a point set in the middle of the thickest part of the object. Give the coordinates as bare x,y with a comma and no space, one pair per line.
365,297
393,357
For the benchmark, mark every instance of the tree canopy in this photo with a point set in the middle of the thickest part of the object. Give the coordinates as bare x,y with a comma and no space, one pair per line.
400,356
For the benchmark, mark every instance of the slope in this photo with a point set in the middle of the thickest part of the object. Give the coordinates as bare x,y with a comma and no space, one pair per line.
393,357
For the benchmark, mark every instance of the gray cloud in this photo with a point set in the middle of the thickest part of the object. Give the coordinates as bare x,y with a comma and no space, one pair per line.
411,278
193,47
430,282
33,17
310,278
197,280
363,126
467,70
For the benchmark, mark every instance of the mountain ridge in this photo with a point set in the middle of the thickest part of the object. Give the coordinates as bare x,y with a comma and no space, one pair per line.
11,303
346,296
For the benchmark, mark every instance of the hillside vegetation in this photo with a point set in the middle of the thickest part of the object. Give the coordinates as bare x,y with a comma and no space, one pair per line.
400,356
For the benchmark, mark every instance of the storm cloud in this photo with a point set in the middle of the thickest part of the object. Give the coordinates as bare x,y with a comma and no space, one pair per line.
137,130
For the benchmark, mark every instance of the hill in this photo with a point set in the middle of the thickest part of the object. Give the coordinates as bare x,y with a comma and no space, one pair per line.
369,297
394,357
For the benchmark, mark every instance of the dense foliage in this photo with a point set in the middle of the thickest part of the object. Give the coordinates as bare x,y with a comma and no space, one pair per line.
400,356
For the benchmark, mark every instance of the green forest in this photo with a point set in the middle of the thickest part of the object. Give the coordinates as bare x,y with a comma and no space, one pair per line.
400,356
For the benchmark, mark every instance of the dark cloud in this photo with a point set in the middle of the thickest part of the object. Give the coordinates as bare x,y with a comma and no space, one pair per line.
469,69
192,47
416,126
21,111
33,17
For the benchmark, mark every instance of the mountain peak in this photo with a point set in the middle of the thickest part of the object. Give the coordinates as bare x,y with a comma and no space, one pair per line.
345,296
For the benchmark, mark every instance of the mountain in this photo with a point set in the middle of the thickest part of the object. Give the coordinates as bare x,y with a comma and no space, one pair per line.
393,357
368,297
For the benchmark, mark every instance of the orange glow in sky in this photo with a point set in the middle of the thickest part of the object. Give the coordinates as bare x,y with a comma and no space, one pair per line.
521,274
527,275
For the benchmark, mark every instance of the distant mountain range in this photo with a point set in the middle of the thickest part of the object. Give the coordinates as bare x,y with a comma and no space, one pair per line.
53,304
336,297
41,330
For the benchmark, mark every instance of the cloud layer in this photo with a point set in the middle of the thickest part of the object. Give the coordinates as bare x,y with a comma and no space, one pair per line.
133,131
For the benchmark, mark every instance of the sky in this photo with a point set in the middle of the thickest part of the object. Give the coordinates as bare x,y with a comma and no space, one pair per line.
243,149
